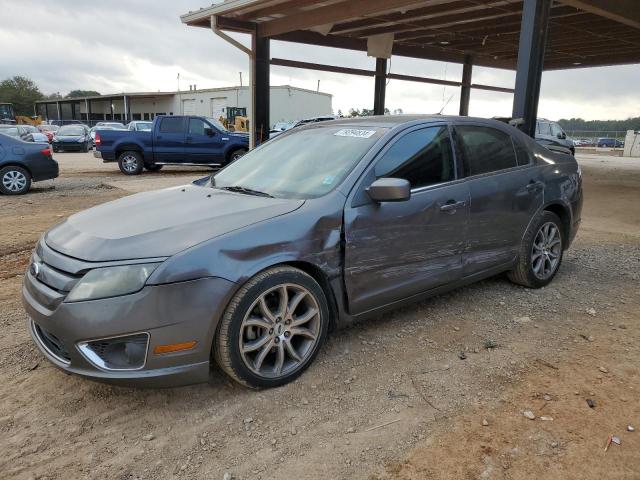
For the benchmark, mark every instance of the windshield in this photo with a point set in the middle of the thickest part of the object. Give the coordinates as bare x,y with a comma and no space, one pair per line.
71,131
6,110
217,124
306,164
48,128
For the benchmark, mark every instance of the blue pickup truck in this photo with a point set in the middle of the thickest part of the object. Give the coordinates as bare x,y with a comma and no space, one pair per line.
173,140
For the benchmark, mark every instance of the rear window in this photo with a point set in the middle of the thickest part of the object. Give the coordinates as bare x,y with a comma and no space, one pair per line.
485,149
71,131
171,125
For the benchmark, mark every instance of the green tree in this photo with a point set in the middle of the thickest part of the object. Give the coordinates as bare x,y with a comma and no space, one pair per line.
82,93
22,92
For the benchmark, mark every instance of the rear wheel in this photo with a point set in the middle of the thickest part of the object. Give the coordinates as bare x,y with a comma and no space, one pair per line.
272,329
14,180
130,163
540,253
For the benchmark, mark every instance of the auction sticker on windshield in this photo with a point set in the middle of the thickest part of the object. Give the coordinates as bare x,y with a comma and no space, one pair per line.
352,132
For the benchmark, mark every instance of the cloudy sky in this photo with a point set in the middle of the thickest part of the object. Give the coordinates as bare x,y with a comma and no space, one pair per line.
141,45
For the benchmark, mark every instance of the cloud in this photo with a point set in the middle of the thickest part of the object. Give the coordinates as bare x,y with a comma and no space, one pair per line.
141,45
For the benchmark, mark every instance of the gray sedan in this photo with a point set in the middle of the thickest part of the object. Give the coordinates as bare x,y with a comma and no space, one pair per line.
326,224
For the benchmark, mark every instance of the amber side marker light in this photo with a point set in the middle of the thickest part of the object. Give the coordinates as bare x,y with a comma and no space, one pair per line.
175,347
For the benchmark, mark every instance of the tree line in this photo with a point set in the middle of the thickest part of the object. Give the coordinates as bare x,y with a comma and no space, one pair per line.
23,93
578,124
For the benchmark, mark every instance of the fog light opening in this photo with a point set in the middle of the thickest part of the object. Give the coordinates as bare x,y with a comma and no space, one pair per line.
119,353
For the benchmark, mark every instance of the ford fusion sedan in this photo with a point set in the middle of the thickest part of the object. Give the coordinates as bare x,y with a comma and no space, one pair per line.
248,269
72,138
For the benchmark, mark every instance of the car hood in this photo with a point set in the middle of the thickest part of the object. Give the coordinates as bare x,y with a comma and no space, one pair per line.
160,223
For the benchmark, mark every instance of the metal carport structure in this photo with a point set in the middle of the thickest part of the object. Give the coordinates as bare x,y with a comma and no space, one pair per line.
528,36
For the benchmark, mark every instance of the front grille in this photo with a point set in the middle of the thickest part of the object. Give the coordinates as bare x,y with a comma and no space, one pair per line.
49,280
52,344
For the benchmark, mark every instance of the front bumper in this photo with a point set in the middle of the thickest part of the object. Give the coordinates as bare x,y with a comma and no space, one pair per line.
169,314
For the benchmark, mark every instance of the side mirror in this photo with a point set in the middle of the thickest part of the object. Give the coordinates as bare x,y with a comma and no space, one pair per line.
390,190
209,131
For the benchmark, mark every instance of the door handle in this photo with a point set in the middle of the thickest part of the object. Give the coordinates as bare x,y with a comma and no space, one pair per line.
534,186
451,206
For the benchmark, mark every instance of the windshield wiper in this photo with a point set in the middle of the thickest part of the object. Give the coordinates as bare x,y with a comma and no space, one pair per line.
247,191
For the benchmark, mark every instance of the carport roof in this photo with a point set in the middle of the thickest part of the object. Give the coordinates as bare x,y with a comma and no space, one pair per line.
582,33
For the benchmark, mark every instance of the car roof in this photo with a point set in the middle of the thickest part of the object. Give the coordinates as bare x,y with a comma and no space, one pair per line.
390,121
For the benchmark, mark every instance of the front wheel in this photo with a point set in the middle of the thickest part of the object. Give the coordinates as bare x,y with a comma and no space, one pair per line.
272,329
14,180
236,154
130,163
540,253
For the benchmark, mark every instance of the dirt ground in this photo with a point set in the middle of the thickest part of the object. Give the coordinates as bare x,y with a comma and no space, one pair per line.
385,399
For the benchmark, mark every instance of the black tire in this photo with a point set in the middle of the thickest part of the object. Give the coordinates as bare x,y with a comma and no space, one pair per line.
226,344
524,273
85,147
55,150
153,168
236,154
14,180
130,163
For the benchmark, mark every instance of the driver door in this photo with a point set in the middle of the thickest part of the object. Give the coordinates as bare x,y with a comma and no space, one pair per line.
204,144
396,250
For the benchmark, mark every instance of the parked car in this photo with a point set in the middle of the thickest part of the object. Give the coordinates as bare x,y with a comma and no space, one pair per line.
325,224
72,138
36,135
112,125
140,126
280,127
18,131
551,133
609,143
173,140
48,130
22,163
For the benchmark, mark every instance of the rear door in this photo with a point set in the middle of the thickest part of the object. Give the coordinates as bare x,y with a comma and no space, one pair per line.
168,142
506,191
396,250
204,143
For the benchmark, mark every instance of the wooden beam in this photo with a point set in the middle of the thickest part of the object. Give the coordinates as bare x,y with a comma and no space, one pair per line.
339,12
623,11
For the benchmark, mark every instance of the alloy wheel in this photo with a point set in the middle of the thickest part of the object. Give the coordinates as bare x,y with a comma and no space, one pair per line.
546,251
130,163
14,181
279,331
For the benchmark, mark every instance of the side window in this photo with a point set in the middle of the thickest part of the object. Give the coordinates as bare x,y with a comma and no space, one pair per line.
523,154
556,130
171,125
423,157
485,149
545,128
196,126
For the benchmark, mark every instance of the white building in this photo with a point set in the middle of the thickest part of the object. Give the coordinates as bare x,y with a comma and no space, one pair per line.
287,104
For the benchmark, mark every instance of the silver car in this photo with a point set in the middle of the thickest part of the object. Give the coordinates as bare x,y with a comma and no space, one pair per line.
324,225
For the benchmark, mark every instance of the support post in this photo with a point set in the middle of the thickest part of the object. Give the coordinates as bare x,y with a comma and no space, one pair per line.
465,89
533,40
46,111
380,86
87,111
58,110
261,101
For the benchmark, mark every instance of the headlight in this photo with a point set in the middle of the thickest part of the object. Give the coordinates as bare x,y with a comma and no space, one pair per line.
111,282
